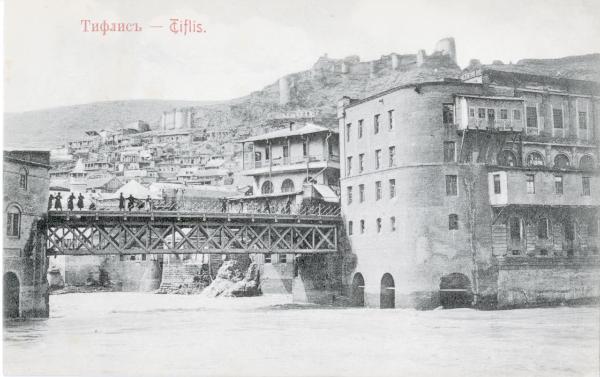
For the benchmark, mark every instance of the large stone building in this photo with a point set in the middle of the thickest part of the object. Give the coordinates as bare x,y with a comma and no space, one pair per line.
26,182
486,185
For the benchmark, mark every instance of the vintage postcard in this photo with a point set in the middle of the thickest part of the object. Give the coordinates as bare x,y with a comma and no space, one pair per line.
301,188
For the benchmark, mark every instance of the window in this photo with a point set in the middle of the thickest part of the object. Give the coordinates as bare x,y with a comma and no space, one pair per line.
542,230
362,226
348,129
557,116
376,124
453,221
377,190
503,114
569,228
451,185
377,158
481,113
586,163
361,163
360,129
561,161
348,166
304,148
515,228
267,187
286,152
448,113
13,222
506,158
361,193
585,185
491,114
267,258
391,119
472,112
350,226
497,189
517,114
23,176
282,258
393,223
558,184
392,188
449,151
530,184
392,154
583,120
535,159
349,194
287,185
531,117
378,225
268,152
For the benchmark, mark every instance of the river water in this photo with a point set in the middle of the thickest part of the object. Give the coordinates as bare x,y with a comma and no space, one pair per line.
137,334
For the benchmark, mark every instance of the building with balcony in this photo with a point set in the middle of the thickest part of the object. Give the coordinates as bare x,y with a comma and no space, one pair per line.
284,161
479,190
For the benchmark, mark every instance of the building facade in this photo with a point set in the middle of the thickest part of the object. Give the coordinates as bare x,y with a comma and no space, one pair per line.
26,183
484,187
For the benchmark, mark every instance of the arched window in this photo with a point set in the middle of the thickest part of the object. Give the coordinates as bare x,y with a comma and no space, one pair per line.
586,162
13,221
507,158
23,177
535,159
310,180
267,187
561,161
287,185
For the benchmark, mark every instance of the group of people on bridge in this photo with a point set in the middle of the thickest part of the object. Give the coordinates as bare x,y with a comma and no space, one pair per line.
55,202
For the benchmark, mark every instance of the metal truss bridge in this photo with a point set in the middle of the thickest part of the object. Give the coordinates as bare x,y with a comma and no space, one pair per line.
191,232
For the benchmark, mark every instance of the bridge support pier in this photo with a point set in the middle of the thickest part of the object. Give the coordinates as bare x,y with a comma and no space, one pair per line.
317,279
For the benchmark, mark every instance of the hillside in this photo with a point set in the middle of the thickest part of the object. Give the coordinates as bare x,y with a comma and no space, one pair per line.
51,127
312,94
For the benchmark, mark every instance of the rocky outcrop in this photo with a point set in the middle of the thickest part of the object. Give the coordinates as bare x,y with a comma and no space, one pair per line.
232,282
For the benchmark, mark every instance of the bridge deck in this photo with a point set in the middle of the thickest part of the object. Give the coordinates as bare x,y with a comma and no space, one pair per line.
168,232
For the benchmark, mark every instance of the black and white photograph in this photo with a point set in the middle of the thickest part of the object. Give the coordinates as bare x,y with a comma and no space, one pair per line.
301,188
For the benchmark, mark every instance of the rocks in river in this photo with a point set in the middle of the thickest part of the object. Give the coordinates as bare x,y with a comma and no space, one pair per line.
231,281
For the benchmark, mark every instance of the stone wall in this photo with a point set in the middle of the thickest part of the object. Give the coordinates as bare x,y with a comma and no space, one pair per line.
543,281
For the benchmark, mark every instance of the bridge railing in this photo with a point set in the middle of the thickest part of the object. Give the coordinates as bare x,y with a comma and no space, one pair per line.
250,205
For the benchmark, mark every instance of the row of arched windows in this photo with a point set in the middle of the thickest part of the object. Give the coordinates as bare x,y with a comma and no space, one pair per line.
286,186
561,161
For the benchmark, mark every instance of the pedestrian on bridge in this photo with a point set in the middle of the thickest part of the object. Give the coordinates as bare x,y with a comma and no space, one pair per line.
57,202
131,202
267,205
70,202
148,203
50,199
241,205
224,205
121,202
80,201
288,206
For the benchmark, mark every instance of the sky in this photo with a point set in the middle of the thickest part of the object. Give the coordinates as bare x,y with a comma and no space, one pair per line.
50,61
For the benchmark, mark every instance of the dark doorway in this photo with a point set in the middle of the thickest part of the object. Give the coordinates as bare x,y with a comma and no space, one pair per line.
455,291
11,295
387,298
358,290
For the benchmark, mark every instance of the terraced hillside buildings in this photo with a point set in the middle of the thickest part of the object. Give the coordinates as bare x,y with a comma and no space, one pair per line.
484,186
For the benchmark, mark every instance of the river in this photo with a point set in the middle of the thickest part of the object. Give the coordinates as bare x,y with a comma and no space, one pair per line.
137,334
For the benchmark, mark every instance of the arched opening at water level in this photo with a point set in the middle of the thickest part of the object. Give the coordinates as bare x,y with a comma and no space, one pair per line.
11,295
387,298
455,291
358,290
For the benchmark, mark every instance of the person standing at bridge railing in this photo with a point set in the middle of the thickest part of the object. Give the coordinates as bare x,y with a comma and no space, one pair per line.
57,202
148,204
70,202
80,201
131,202
50,199
121,202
